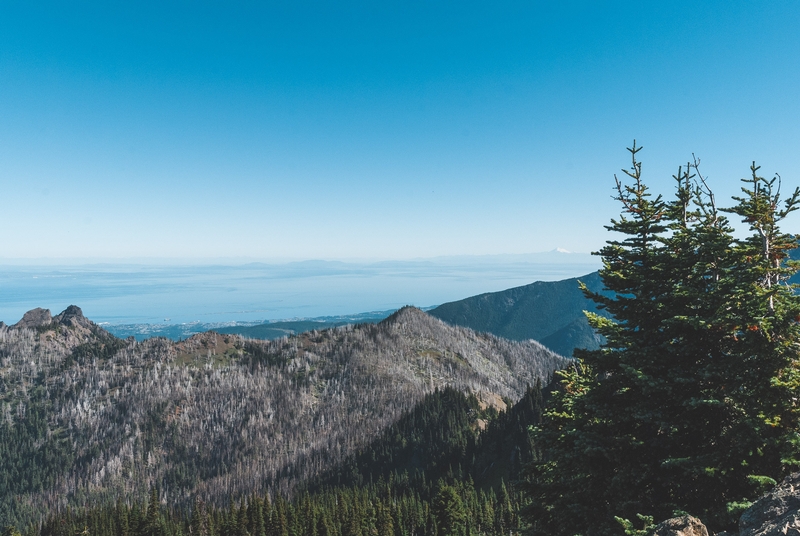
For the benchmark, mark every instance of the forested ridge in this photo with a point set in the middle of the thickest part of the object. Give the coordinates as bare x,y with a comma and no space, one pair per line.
456,491
551,312
88,419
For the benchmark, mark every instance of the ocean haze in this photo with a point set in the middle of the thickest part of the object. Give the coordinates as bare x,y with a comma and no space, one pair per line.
126,293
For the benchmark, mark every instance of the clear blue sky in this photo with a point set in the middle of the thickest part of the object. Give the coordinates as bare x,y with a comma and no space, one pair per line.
374,129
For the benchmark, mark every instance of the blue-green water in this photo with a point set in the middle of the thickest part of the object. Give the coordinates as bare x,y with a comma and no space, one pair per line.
139,294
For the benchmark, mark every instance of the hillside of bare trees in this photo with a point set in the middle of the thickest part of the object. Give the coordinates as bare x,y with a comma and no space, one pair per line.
88,418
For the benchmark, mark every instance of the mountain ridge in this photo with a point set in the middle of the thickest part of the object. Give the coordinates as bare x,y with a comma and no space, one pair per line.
550,312
218,415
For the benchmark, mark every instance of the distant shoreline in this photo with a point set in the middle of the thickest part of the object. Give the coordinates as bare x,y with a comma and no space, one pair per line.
252,293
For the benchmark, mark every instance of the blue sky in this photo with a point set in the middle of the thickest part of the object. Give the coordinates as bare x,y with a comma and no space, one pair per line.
373,130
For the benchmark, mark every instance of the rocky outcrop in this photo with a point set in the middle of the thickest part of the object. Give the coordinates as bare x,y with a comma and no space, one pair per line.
34,318
775,514
62,333
72,316
680,526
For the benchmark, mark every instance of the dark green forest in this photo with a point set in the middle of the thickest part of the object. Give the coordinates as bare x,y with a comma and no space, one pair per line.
690,406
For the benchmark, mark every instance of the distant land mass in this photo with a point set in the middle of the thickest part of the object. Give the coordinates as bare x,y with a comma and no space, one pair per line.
275,330
254,330
126,292
550,312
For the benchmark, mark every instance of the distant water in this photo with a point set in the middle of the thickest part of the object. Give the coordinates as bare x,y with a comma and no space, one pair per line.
142,294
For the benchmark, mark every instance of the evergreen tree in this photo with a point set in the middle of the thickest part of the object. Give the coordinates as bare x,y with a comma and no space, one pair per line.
122,519
280,524
504,513
259,526
353,526
688,405
241,520
136,518
450,514
152,523
11,530
384,521
324,526
198,526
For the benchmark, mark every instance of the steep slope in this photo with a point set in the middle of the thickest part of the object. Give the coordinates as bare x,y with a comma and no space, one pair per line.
543,311
219,415
447,435
395,485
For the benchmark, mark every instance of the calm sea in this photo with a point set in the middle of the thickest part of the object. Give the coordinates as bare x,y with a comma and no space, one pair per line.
145,294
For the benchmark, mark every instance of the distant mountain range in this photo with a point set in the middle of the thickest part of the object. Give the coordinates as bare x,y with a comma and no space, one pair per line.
549,312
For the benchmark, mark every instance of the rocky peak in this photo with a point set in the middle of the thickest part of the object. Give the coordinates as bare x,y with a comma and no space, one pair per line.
72,316
34,318
404,311
409,313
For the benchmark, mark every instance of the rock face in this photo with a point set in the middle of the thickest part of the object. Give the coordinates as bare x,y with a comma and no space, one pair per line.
73,316
777,513
63,332
34,319
680,526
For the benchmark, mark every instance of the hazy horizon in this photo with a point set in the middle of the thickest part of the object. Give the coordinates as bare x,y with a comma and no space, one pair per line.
135,293
536,256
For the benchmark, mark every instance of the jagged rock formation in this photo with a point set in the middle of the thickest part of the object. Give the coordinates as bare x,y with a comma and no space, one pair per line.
775,514
220,415
72,316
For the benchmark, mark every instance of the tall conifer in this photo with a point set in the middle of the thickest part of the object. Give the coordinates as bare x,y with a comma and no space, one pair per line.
688,406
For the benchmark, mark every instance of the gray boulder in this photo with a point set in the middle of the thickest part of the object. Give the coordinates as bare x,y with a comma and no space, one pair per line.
776,513
680,526
34,319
